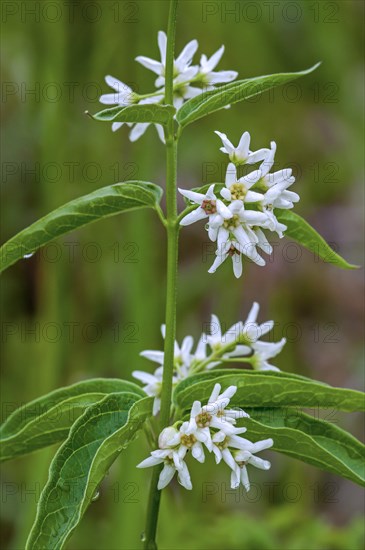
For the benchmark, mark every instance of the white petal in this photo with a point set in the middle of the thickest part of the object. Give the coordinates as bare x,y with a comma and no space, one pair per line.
137,130
217,262
160,132
116,126
262,445
223,236
184,477
215,393
150,461
144,377
228,147
231,174
150,64
152,355
166,476
244,145
186,55
252,196
198,452
192,195
235,478
250,179
237,265
228,459
162,42
269,161
213,61
117,85
223,210
259,463
222,76
194,216
244,478
257,156
226,194
156,406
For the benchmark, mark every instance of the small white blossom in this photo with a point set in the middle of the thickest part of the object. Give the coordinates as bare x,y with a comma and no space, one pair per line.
173,462
239,188
209,206
211,426
217,339
246,456
181,64
241,154
209,77
153,385
263,351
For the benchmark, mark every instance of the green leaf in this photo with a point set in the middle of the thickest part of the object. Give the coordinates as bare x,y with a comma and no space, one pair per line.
47,420
102,203
152,113
241,90
300,231
95,441
267,389
305,438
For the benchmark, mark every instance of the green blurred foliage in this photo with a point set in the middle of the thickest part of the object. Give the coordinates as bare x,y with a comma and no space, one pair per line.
96,299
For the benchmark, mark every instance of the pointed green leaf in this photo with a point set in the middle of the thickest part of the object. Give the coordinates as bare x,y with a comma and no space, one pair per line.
102,203
241,90
151,113
47,420
267,389
305,438
95,441
300,231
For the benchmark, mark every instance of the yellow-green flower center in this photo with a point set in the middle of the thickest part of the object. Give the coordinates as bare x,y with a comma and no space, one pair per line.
232,223
238,191
223,444
203,420
188,440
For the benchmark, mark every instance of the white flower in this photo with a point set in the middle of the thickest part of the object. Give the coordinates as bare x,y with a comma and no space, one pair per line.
246,456
239,188
277,183
182,354
209,76
214,415
241,154
181,64
173,462
123,95
277,195
221,443
233,249
153,385
209,206
234,236
263,351
217,339
251,331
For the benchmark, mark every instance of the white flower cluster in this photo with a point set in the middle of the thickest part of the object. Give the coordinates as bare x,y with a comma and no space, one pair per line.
211,427
189,81
241,342
236,220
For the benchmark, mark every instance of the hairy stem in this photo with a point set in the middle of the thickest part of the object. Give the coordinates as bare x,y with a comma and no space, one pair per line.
171,282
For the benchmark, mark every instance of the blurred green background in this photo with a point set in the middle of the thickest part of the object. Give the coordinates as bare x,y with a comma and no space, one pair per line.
88,304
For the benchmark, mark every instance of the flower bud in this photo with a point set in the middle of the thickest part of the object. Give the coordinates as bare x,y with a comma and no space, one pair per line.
169,437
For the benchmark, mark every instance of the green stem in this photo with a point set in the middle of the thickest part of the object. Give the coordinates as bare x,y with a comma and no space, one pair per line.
171,283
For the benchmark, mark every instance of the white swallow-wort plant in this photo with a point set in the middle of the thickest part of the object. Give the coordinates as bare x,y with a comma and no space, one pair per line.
221,396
